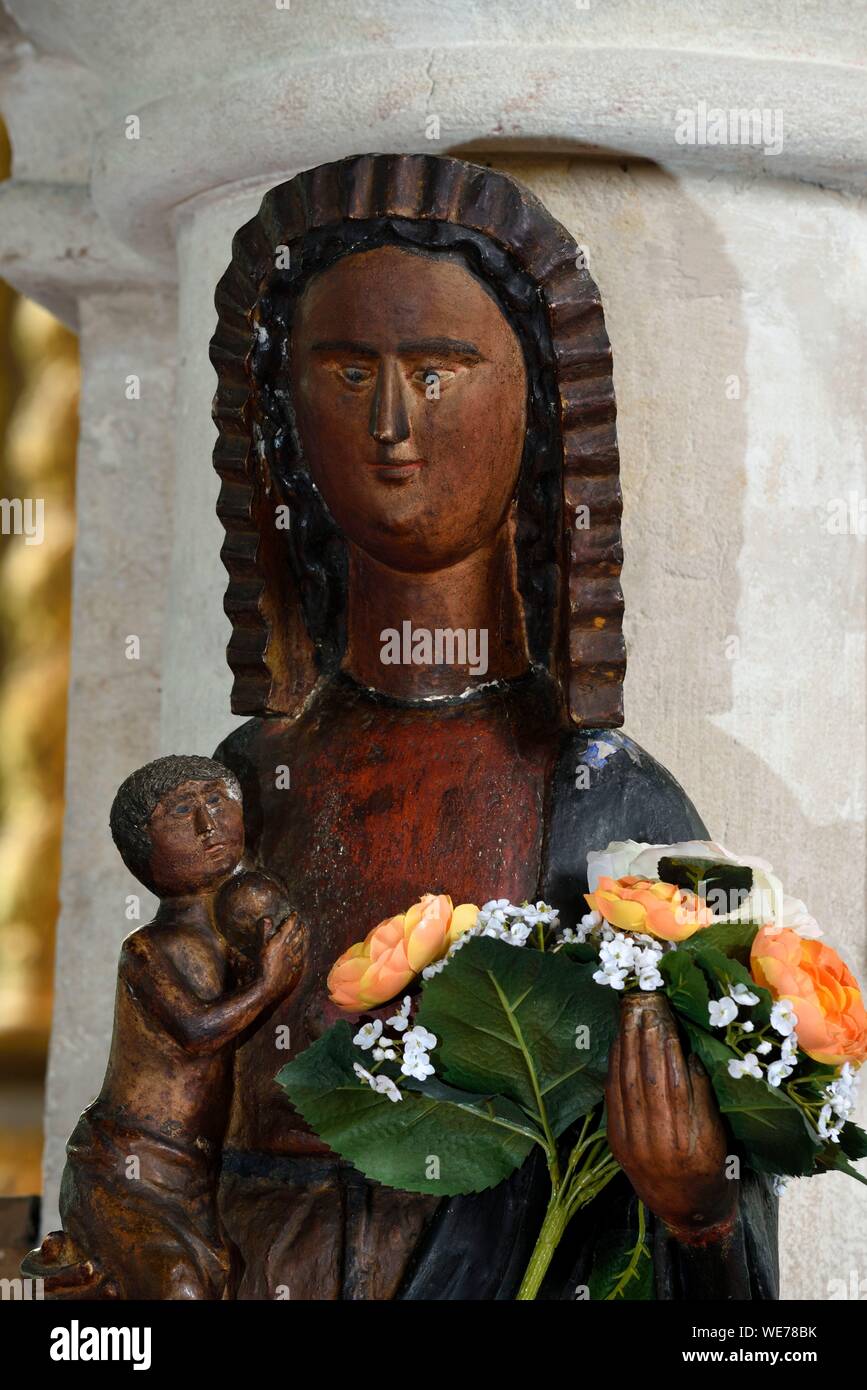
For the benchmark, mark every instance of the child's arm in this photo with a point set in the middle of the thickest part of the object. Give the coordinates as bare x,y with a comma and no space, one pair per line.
202,1027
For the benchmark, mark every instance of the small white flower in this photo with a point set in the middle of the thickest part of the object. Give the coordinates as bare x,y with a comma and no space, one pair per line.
364,1075
764,1048
742,995
615,979
386,1087
619,953
722,1012
517,934
827,1130
748,1066
650,979
368,1034
789,1048
540,912
400,1020
783,1017
431,970
778,1071
646,958
841,1105
748,1027
417,1063
419,1037
384,1054
495,913
591,920
841,1094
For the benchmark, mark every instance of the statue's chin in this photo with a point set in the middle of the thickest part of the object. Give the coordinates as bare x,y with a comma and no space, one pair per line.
410,549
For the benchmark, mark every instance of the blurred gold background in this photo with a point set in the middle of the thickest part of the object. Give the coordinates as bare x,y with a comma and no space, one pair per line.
39,383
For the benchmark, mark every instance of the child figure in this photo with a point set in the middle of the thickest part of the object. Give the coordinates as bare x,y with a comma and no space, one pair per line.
138,1195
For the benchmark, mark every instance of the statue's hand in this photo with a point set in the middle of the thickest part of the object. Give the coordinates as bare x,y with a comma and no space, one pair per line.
664,1126
283,956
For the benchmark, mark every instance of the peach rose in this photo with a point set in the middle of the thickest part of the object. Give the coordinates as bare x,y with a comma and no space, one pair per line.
832,1022
393,953
646,905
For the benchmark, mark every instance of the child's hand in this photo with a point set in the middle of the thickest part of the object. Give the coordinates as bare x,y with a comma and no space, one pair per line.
283,955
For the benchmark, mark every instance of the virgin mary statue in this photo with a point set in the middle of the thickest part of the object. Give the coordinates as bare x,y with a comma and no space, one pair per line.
417,441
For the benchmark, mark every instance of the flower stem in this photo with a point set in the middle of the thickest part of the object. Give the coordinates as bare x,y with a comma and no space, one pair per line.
567,1197
555,1223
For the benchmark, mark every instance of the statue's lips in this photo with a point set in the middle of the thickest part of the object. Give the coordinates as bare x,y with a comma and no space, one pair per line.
396,468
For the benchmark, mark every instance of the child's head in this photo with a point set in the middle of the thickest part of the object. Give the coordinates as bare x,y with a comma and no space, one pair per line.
178,823
243,906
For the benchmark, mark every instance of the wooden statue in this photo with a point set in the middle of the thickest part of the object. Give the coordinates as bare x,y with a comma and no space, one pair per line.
138,1197
420,494
417,437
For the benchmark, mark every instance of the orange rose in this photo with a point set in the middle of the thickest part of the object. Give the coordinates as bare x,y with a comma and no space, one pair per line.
644,905
393,953
832,1022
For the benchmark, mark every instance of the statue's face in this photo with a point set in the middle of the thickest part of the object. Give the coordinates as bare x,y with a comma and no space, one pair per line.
410,391
197,838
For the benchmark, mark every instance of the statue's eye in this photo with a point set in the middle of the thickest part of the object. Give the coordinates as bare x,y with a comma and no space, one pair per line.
214,799
182,808
355,376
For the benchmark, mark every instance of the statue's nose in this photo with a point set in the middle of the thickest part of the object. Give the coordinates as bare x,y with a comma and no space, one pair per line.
389,420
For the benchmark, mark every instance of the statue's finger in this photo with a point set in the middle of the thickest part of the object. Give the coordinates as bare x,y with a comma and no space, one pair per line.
631,1081
703,1095
654,1072
678,1091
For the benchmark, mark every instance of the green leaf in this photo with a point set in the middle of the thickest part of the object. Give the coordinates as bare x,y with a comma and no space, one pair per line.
685,986
724,972
725,884
506,1018
731,938
476,1140
853,1140
612,1256
834,1157
580,951
710,1049
773,1131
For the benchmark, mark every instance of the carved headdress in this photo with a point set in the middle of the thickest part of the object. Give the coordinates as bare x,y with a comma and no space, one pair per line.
284,555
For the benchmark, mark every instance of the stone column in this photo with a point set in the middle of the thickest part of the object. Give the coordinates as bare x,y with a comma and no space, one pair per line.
732,278
54,248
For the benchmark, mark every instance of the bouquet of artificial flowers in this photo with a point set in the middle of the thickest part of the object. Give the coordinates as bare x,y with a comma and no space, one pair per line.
490,1051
